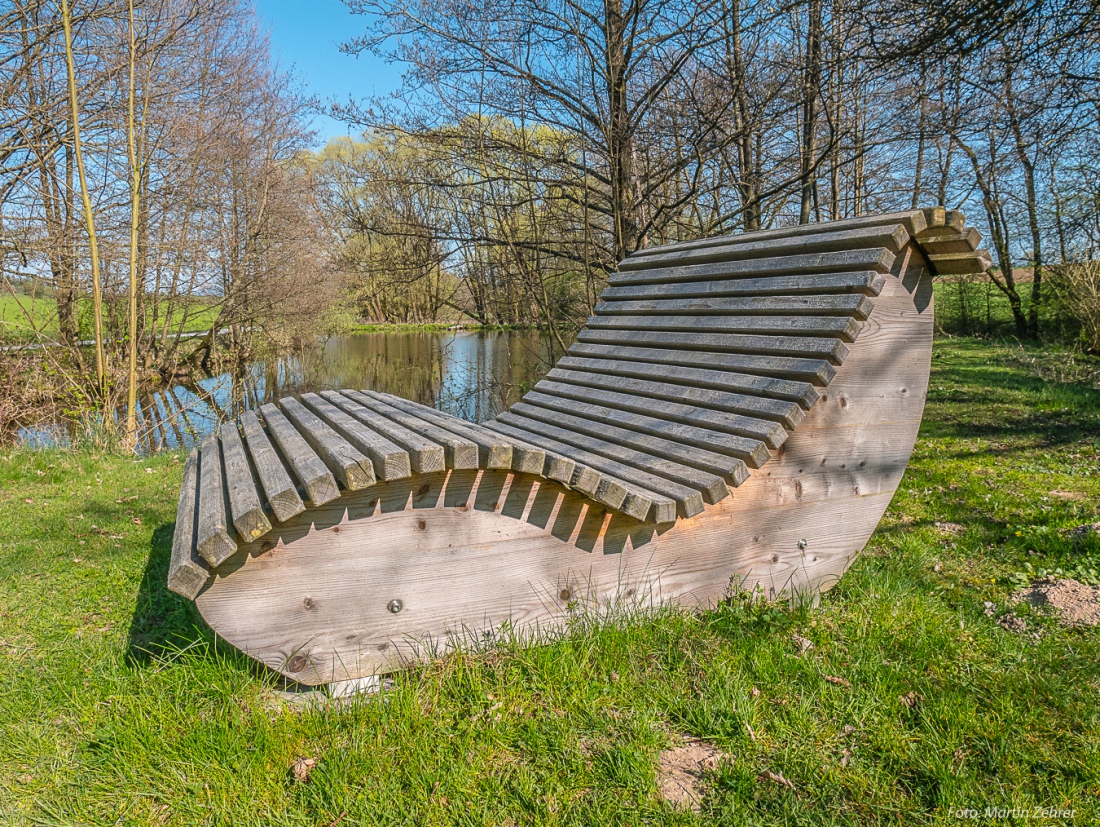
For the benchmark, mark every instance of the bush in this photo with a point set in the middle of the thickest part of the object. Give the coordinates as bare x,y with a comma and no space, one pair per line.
1075,300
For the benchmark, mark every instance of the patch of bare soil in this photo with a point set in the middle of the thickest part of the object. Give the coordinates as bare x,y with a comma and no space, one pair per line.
1084,532
1074,603
680,773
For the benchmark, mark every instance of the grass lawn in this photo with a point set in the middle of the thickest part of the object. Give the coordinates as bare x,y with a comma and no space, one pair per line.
118,707
16,329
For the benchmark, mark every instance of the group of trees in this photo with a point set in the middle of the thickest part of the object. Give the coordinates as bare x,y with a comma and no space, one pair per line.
536,144
148,188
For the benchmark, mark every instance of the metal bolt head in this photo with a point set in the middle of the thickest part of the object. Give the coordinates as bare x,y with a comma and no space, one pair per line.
395,605
802,544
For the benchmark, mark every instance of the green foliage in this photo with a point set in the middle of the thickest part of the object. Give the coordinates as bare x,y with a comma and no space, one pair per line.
117,706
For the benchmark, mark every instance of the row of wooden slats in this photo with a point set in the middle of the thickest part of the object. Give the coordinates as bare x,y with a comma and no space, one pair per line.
699,360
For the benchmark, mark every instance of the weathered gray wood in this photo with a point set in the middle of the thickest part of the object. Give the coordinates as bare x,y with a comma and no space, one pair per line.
459,454
889,237
880,260
187,573
640,502
677,443
912,220
946,240
864,283
622,463
858,307
935,216
494,451
776,368
802,393
245,507
581,477
555,467
958,264
347,463
279,489
646,453
754,416
710,429
212,538
390,461
843,328
425,456
706,343
317,481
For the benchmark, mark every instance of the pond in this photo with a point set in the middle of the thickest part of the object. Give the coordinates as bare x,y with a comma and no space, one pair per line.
473,375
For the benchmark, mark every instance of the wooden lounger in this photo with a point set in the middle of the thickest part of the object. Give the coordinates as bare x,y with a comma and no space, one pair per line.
737,414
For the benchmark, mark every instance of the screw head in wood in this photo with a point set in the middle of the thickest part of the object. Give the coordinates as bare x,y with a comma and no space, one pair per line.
395,605
802,544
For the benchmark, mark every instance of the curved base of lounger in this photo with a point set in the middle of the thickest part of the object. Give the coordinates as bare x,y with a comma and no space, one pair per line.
404,569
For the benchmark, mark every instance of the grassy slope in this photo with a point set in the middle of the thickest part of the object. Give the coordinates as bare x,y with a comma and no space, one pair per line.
94,731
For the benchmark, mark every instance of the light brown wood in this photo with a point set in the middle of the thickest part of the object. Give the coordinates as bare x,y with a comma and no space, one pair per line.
792,527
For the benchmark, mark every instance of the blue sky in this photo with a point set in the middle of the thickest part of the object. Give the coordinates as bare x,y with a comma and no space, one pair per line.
305,36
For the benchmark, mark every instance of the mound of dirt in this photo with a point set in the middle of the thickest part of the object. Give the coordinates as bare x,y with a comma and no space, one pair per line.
1074,603
680,773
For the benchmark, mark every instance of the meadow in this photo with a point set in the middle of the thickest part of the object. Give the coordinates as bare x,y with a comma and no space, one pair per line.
118,706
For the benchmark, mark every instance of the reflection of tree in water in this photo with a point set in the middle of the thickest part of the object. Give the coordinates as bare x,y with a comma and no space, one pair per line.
474,375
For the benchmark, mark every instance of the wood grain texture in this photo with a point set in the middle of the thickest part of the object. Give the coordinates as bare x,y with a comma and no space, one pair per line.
390,461
706,343
459,453
879,260
790,326
279,489
812,371
425,456
864,283
187,572
888,237
347,463
212,538
245,507
913,221
856,306
548,546
317,481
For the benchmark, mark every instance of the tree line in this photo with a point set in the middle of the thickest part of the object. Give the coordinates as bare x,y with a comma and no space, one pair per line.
534,145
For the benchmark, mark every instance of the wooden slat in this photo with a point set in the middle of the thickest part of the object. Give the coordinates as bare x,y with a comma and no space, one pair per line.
802,393
864,283
842,327
279,489
347,463
494,451
761,418
729,433
212,539
580,477
958,264
912,220
891,237
935,216
425,456
459,454
557,467
652,455
390,461
639,502
777,368
682,444
622,463
946,240
319,484
703,343
245,507
878,259
858,307
187,573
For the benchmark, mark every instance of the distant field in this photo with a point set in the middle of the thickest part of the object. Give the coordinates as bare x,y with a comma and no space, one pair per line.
17,328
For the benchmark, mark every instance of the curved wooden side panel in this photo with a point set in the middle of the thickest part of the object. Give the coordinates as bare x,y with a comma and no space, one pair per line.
403,569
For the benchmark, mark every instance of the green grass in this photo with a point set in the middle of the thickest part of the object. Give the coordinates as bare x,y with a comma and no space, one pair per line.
95,730
16,328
